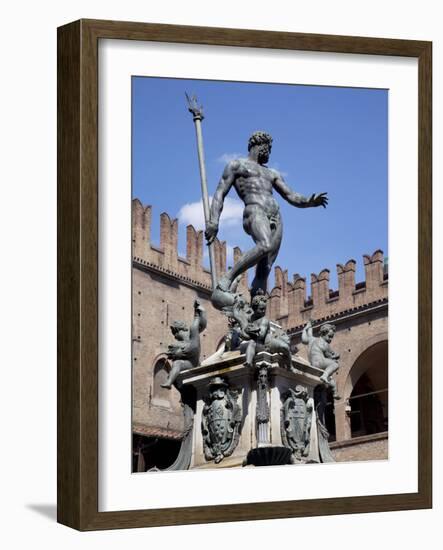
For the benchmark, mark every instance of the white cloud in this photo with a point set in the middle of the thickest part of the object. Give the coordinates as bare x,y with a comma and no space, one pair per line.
227,157
192,214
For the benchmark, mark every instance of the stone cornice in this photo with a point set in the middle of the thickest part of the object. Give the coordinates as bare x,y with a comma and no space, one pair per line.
343,316
144,265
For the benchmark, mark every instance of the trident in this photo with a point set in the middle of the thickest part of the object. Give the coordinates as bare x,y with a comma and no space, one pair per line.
197,114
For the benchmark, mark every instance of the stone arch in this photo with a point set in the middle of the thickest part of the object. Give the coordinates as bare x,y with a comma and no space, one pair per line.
349,374
219,350
356,364
220,342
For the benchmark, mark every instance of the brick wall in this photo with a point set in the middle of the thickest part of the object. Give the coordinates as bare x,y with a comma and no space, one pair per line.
369,447
164,289
165,286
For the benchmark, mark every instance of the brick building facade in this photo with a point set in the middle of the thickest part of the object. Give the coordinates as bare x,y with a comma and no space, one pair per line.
165,286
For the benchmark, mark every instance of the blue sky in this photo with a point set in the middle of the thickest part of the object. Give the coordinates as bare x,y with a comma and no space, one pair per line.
325,139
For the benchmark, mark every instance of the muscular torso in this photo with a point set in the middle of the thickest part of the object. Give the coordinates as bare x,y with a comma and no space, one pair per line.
253,184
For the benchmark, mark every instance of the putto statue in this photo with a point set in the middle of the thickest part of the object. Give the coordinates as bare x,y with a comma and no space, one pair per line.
221,419
255,328
185,352
254,183
321,355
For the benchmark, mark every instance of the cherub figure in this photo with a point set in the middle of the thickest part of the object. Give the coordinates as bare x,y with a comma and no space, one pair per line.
185,352
277,341
255,327
321,355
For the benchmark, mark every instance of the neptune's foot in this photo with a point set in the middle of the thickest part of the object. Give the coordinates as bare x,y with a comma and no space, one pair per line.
222,296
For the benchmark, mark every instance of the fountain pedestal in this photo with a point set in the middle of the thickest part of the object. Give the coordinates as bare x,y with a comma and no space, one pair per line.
254,416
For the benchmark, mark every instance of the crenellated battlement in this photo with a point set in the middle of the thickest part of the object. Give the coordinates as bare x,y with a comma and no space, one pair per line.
289,302
291,306
165,258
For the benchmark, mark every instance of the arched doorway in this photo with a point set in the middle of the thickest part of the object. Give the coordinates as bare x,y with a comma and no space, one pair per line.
150,452
368,400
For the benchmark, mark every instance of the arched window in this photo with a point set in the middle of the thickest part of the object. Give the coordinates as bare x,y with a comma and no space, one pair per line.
369,397
161,396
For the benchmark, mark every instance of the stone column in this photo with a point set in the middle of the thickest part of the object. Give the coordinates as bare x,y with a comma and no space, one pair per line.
263,413
197,447
342,421
275,408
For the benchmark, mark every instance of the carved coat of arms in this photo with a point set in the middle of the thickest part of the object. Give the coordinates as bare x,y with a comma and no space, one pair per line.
296,419
220,421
